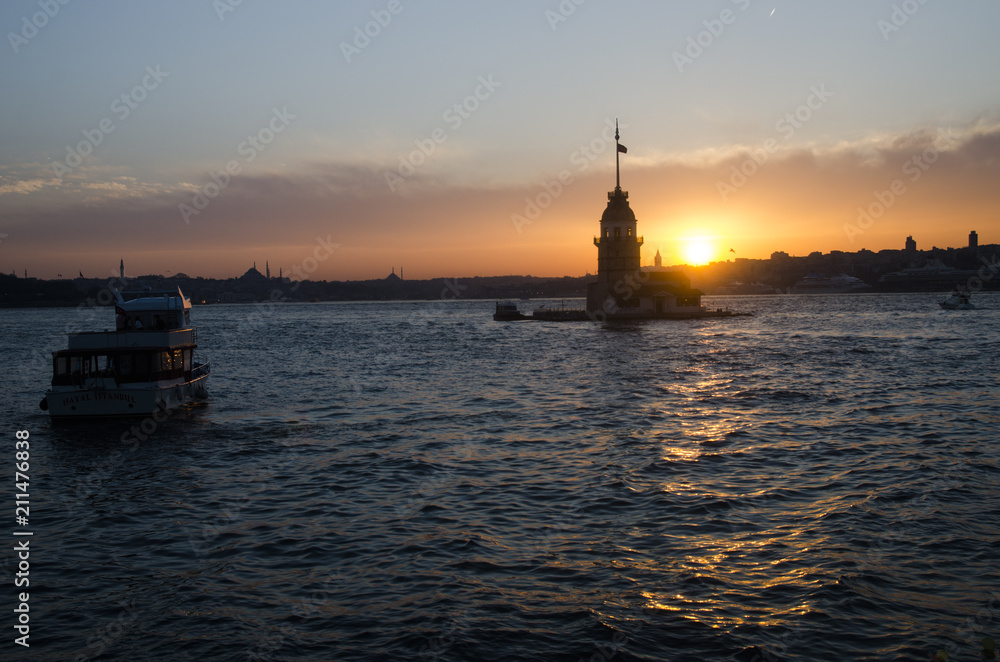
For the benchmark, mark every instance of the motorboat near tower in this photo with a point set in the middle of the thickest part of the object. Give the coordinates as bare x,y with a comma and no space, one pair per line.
958,300
147,364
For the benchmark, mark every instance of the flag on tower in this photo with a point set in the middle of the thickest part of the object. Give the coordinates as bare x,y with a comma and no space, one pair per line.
622,148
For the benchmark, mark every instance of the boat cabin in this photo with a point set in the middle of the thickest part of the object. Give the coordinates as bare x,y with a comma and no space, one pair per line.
152,311
124,365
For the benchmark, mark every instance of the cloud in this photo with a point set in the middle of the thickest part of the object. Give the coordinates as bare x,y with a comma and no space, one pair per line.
23,187
796,196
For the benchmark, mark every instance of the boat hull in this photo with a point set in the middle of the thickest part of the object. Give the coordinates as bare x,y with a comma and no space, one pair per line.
102,401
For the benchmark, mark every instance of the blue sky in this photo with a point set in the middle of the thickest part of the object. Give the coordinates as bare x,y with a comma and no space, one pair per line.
548,76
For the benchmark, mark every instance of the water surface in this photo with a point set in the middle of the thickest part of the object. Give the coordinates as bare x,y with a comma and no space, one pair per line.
415,481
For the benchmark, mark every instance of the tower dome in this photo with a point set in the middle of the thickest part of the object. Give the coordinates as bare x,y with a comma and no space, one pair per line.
618,211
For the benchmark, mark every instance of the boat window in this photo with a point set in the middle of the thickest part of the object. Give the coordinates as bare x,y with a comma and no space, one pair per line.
61,365
74,364
187,360
141,366
125,364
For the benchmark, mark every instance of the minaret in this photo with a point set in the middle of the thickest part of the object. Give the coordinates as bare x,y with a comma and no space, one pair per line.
121,269
267,269
618,246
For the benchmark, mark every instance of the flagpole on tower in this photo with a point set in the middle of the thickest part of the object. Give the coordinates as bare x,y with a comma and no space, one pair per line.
618,170
619,149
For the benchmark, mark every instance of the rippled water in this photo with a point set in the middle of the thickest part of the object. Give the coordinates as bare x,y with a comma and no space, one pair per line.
415,481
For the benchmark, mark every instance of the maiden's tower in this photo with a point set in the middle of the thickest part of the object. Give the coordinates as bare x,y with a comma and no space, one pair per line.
623,289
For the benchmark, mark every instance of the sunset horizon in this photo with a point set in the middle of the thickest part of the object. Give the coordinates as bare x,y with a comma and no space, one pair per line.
150,162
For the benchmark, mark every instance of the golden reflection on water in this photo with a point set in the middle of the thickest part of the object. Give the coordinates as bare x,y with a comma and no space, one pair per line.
700,435
724,572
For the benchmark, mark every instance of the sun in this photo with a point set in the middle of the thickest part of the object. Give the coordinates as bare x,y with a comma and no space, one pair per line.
698,251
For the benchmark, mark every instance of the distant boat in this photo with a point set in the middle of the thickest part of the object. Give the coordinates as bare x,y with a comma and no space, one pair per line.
958,301
146,365
841,284
507,311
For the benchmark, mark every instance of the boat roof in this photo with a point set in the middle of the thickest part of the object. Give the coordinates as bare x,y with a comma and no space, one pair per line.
152,300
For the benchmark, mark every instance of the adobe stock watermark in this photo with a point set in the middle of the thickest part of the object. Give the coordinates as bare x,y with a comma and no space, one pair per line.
249,149
972,634
223,7
562,12
372,29
913,169
699,43
786,126
31,26
455,116
900,16
581,158
105,638
625,287
264,311
122,107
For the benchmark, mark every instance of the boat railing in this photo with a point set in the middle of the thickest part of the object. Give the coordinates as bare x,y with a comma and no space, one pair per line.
201,370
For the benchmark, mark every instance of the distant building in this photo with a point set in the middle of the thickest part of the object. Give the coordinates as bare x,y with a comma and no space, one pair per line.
252,275
973,240
911,246
393,278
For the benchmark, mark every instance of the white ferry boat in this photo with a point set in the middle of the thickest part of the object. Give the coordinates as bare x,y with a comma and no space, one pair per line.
145,365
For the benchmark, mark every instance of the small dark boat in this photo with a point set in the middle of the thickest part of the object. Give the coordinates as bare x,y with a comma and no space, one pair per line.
507,312
958,300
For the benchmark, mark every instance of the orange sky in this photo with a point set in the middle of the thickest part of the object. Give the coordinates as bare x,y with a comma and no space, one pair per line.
479,108
796,201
